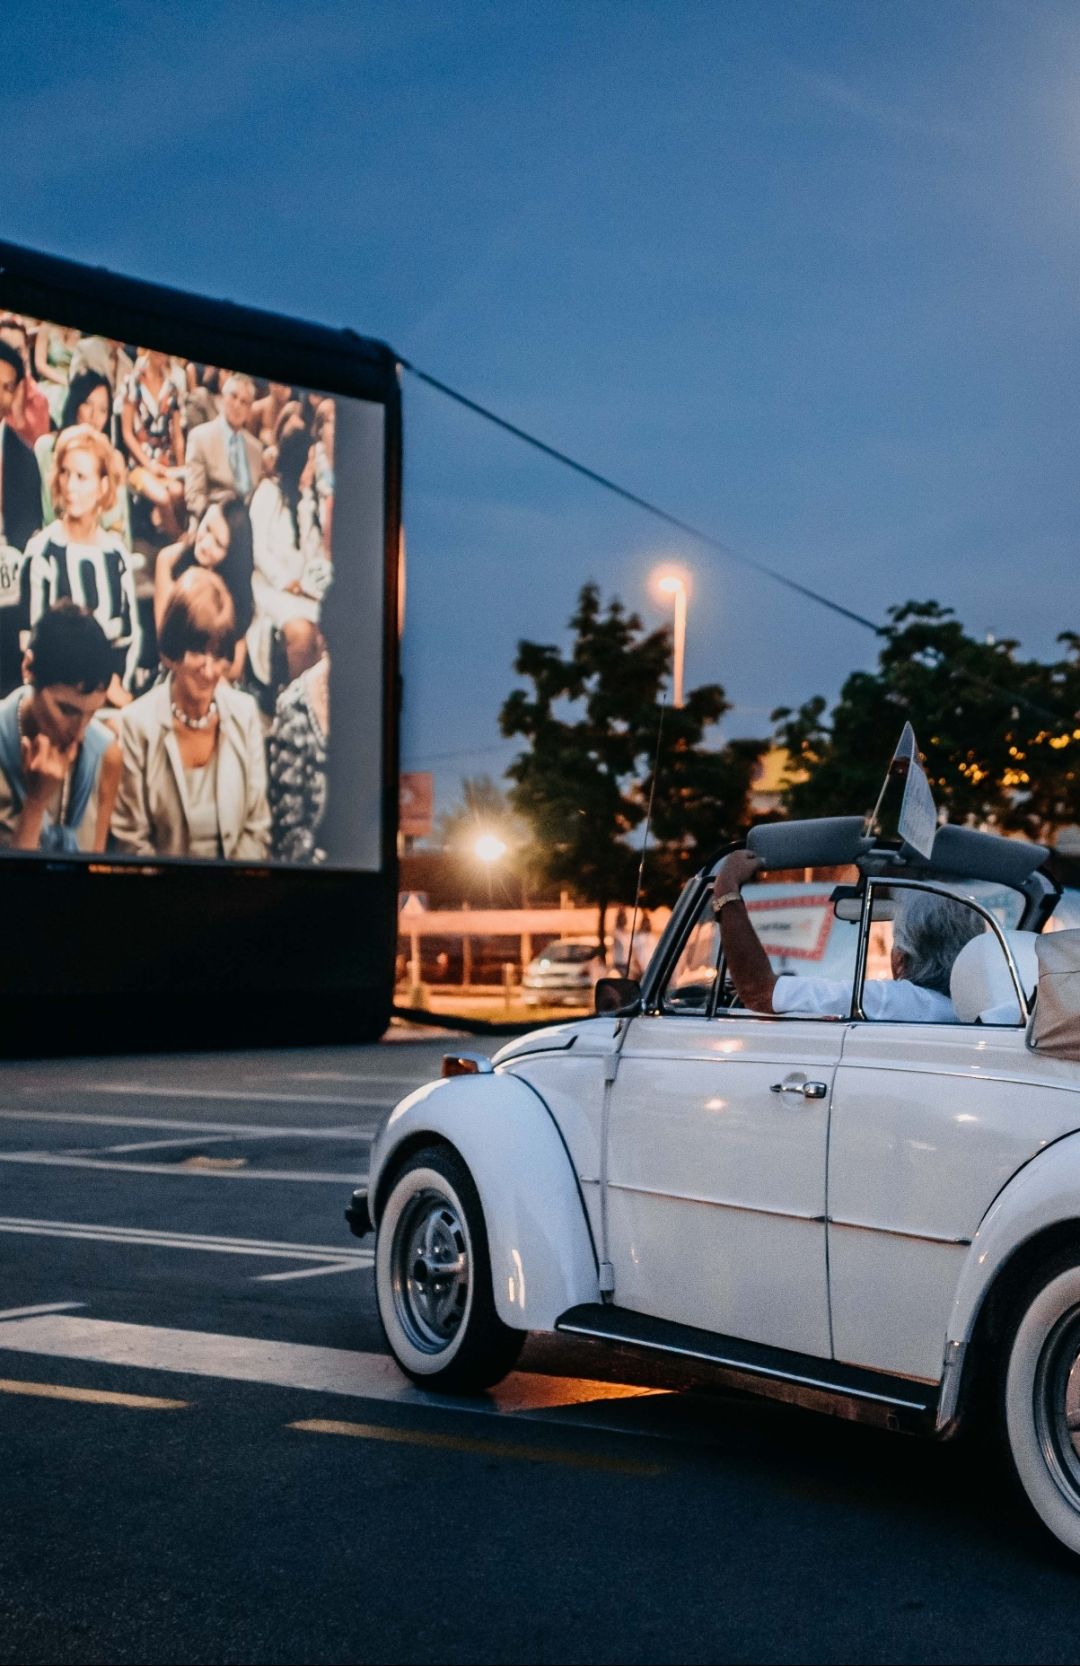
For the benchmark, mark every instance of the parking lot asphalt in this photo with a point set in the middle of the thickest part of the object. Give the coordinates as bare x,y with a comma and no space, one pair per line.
208,1455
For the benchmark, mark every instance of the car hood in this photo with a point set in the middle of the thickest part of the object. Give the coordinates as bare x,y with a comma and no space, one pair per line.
590,1034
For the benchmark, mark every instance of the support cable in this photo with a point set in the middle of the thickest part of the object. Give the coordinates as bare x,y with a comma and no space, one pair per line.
639,502
701,537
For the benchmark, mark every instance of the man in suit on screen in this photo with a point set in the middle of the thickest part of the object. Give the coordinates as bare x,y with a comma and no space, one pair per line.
223,459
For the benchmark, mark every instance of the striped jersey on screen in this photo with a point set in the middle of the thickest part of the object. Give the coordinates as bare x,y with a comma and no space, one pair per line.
98,577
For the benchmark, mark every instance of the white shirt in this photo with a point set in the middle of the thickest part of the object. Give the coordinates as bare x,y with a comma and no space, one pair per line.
896,1002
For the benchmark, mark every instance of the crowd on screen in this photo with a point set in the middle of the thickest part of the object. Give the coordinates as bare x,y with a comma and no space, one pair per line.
165,552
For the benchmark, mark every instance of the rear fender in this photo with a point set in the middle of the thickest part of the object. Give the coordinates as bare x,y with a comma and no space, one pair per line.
542,1255
1044,1194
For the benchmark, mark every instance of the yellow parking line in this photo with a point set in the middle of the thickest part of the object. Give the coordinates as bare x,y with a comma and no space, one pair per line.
91,1396
481,1448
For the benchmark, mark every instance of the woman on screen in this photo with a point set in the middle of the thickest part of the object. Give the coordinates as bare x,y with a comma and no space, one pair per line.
87,400
76,557
218,542
152,426
296,748
53,346
288,563
194,775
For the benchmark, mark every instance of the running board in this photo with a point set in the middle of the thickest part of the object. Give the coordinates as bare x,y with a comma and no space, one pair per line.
800,1379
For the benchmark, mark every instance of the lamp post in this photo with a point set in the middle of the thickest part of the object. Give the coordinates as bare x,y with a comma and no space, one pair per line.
674,584
488,848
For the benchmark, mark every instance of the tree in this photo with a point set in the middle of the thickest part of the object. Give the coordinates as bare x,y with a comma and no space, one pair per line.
592,721
995,730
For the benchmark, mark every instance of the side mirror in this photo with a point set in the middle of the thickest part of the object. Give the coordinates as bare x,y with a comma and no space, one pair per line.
616,996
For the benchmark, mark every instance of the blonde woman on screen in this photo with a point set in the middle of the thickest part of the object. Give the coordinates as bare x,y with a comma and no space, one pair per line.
76,557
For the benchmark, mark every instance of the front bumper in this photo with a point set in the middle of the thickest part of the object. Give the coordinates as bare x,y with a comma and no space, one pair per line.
358,1214
557,994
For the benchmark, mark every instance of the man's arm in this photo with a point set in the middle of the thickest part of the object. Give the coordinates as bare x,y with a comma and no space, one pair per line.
747,963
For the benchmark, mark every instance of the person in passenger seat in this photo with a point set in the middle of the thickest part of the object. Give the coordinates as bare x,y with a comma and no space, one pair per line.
929,931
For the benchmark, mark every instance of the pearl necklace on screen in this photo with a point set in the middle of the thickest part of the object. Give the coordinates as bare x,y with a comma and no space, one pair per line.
203,722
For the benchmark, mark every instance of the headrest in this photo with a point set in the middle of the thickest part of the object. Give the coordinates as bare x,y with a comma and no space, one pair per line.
981,985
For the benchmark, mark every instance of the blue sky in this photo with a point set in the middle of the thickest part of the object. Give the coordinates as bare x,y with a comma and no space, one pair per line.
805,273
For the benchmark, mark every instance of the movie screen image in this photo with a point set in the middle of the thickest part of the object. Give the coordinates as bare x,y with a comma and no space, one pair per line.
186,550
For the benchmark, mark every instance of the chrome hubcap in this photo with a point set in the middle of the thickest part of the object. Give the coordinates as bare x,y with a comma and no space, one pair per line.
430,1270
1057,1405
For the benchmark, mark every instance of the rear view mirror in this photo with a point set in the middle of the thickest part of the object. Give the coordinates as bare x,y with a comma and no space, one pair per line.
847,903
849,907
616,996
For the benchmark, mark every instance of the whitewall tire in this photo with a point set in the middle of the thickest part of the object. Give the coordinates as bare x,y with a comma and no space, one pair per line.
1042,1400
433,1278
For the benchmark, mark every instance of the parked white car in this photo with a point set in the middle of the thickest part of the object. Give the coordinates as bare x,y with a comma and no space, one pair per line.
878,1219
565,973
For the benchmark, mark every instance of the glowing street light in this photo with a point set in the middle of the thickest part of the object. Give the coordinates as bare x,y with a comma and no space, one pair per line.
669,583
488,847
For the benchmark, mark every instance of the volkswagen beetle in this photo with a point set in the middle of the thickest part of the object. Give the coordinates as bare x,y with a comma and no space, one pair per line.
878,1219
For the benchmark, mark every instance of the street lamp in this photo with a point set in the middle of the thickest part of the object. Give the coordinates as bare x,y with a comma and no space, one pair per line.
674,584
488,847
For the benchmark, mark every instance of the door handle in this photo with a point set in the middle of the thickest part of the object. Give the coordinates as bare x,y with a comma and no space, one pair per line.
808,1090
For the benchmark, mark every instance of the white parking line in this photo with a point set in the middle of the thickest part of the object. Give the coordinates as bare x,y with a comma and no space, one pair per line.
148,1091
312,1272
279,1249
215,1139
50,1159
291,1365
259,1129
38,1307
406,1083
154,1145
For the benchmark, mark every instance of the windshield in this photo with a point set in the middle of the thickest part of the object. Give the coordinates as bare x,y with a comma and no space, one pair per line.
1005,904
572,954
1066,915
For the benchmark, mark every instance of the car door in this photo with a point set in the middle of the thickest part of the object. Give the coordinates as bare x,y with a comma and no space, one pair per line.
929,1123
717,1137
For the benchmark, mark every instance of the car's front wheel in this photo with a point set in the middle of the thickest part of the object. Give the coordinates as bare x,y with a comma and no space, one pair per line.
433,1278
1042,1399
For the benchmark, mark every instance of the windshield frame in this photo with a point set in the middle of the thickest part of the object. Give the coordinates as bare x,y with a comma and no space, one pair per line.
892,883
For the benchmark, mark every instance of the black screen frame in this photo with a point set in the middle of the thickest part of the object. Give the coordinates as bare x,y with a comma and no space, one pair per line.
129,955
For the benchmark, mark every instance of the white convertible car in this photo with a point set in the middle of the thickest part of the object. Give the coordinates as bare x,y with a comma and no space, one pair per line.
877,1219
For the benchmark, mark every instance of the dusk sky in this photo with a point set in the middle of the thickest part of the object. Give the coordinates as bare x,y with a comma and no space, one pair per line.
806,274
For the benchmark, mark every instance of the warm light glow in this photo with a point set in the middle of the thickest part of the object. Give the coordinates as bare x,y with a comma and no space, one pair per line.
668,581
489,847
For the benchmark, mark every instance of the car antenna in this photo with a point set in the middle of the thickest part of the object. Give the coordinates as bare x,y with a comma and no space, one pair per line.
645,840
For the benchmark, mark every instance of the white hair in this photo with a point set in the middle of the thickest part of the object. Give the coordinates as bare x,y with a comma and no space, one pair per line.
930,930
236,379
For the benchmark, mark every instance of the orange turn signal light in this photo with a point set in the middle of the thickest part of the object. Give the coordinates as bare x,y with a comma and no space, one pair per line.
465,1064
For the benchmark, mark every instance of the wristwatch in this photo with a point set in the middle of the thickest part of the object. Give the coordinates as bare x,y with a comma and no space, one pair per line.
728,896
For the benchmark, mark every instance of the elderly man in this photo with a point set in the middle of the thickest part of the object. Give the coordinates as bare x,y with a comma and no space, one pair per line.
223,459
928,933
